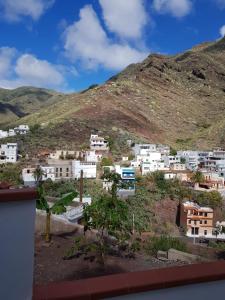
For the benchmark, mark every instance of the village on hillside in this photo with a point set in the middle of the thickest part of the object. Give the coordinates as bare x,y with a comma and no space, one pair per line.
200,173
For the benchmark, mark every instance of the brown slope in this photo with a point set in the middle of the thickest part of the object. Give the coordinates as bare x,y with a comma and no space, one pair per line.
179,100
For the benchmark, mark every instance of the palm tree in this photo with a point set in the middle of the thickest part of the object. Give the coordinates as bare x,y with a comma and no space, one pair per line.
58,207
38,175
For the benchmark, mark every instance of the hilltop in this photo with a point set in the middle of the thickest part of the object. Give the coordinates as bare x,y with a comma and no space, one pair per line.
20,102
178,100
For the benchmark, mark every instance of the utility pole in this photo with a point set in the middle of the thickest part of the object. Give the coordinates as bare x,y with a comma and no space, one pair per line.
133,230
81,185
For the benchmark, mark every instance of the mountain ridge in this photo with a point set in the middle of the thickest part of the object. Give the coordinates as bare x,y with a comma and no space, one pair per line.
178,100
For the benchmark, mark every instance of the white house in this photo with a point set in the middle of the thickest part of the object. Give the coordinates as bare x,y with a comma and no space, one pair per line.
11,132
149,167
92,156
89,169
22,129
98,143
8,153
3,134
144,149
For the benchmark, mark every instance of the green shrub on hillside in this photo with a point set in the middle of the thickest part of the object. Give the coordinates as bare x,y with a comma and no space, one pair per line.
164,243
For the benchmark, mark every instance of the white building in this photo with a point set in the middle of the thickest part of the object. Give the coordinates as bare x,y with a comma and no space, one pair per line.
89,169
163,149
8,153
98,143
144,149
11,132
192,159
171,160
22,129
28,175
149,167
3,134
92,156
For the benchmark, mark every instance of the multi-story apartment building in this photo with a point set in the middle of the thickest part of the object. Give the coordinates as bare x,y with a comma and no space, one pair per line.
98,143
191,159
170,160
144,149
8,153
197,220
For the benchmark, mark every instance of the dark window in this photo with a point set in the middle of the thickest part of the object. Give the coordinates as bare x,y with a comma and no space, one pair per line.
205,222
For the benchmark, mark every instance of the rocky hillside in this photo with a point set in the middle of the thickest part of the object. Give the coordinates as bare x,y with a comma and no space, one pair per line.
179,100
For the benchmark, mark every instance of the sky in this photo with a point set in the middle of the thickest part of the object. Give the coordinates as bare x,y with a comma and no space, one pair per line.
69,45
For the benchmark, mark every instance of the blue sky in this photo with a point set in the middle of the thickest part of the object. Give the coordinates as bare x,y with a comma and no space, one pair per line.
69,45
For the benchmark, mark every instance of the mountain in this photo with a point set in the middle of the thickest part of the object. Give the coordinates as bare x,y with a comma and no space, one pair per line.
17,103
178,100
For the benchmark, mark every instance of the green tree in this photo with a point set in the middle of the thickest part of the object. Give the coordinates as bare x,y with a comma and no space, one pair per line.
182,160
58,207
173,152
109,216
10,173
116,180
197,177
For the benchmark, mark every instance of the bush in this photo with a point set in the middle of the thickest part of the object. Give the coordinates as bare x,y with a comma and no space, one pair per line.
164,243
106,161
212,199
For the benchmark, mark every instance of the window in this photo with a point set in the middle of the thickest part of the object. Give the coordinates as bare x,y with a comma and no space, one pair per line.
205,222
200,221
206,214
205,232
195,222
189,221
60,169
200,214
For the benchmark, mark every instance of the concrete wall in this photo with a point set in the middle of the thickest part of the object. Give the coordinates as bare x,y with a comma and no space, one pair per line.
57,226
16,249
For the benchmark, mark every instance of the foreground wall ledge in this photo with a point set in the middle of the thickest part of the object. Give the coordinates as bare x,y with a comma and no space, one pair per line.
128,283
10,195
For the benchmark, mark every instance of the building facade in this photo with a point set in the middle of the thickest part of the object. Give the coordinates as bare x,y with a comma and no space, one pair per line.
197,220
8,153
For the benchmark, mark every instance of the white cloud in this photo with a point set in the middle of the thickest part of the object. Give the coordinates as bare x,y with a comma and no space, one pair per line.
177,8
14,10
35,71
221,3
87,42
6,56
126,18
222,31
26,69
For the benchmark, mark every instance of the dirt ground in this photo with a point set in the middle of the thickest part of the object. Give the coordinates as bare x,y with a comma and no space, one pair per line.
50,265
